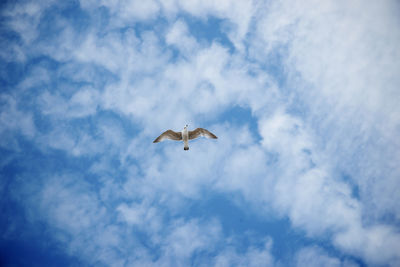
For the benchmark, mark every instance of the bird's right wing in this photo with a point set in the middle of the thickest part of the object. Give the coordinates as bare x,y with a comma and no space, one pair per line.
201,132
169,134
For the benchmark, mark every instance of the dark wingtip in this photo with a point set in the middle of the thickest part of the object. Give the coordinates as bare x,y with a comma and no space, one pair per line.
185,148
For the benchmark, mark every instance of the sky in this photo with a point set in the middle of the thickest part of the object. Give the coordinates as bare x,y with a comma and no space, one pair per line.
303,96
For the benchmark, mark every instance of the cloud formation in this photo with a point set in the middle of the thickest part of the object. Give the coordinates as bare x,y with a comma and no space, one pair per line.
303,97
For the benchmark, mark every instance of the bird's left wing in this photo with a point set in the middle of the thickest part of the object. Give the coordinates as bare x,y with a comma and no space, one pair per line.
169,134
201,132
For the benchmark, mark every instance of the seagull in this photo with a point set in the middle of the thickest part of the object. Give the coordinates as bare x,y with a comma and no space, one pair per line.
185,135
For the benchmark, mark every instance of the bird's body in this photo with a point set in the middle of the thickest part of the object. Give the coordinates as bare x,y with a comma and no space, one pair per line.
185,138
184,135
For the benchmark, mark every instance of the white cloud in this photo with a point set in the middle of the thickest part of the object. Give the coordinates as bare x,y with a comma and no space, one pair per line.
313,256
11,52
69,205
81,104
125,11
187,238
71,209
14,121
252,257
341,66
179,36
237,13
314,199
72,215
142,215
341,63
25,17
378,244
342,58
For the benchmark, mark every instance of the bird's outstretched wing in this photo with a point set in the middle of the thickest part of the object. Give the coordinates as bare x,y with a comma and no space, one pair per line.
201,132
169,134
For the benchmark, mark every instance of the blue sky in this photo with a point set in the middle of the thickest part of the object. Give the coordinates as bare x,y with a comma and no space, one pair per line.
303,97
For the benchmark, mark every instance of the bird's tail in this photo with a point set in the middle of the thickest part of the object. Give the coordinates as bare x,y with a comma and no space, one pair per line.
186,148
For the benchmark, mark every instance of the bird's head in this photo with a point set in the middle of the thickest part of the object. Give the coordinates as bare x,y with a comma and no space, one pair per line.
185,127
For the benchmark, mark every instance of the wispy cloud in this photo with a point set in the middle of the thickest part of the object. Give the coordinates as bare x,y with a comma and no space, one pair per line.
317,87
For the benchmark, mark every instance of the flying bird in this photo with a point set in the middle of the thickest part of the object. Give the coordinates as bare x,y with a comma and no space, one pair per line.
185,135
